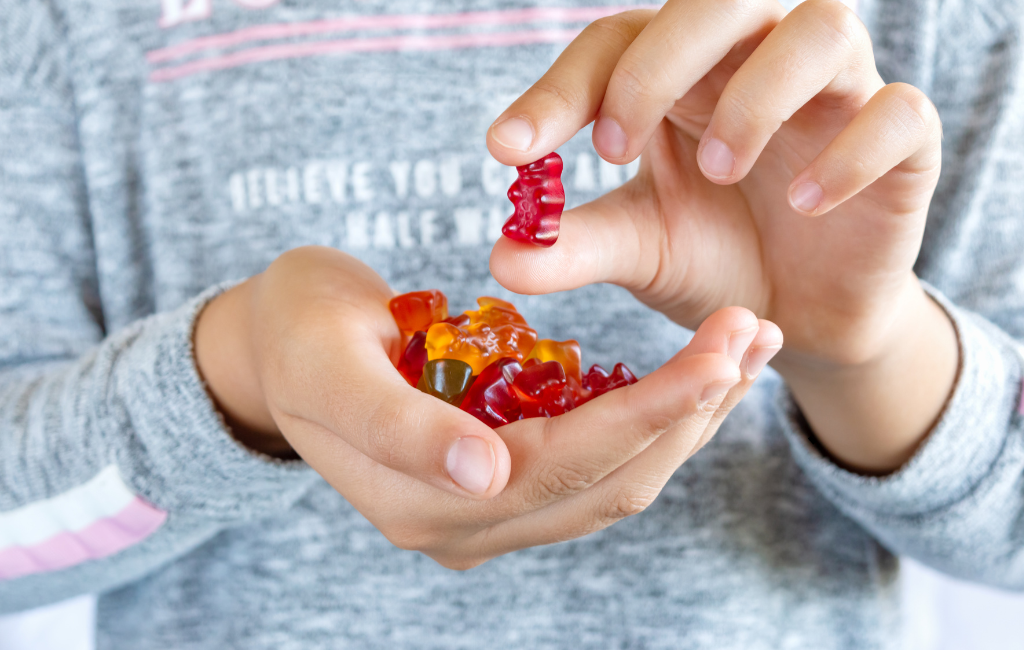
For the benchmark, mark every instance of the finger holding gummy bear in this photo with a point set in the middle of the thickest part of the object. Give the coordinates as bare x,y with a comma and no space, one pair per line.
489,362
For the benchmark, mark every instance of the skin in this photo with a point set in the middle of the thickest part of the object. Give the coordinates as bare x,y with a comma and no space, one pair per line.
300,358
779,173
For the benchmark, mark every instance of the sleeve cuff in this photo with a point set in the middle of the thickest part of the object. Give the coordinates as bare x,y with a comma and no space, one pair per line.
962,447
184,457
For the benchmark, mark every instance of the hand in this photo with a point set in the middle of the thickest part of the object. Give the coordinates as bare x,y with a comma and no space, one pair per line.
779,173
304,352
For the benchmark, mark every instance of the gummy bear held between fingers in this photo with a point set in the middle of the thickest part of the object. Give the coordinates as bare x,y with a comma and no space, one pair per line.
538,197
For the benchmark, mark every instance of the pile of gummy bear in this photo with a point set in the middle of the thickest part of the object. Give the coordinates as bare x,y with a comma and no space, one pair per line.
489,362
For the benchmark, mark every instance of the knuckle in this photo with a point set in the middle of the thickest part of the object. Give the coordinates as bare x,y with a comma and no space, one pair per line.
285,357
707,409
295,260
407,538
634,81
912,106
561,482
654,426
562,94
288,258
384,435
741,8
748,111
844,25
613,30
644,426
627,503
747,7
458,563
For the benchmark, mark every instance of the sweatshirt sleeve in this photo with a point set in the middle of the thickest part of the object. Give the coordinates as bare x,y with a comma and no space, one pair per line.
958,504
113,459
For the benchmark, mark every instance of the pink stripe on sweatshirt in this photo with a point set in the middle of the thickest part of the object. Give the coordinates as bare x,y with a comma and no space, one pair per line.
89,522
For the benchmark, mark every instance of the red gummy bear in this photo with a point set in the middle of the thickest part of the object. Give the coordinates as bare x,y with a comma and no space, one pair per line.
414,358
598,382
538,197
491,398
542,390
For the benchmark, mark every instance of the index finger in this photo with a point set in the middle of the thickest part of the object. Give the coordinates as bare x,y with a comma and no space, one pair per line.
631,67
569,94
676,50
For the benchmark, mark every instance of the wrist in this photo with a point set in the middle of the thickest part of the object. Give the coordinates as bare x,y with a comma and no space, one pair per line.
873,413
223,355
860,346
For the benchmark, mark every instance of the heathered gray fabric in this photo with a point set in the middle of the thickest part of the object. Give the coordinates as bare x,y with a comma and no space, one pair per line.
123,199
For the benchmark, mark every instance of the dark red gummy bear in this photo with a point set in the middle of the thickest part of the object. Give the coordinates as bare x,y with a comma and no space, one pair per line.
543,391
414,358
491,399
538,197
597,381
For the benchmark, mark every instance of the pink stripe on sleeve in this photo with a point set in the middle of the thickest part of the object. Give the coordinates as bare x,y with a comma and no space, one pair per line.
103,538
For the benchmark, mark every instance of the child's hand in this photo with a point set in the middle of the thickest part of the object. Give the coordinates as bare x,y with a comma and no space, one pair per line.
302,355
779,173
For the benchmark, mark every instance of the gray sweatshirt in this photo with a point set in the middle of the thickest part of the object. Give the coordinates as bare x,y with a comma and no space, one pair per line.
153,150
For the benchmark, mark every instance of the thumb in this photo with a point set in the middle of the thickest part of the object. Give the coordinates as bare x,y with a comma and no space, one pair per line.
359,397
612,239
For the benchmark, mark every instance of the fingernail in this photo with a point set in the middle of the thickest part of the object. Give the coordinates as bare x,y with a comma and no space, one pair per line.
717,389
470,463
514,133
716,159
609,138
740,341
759,358
806,197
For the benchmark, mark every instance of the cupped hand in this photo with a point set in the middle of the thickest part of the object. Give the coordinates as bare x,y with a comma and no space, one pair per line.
779,171
304,352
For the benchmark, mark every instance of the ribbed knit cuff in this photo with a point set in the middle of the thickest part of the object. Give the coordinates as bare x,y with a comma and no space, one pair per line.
960,450
188,460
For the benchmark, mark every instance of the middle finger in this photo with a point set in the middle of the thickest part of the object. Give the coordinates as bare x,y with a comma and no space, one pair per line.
675,51
821,49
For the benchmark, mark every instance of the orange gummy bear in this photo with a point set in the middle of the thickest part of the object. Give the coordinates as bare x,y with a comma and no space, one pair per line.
499,315
494,332
486,301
